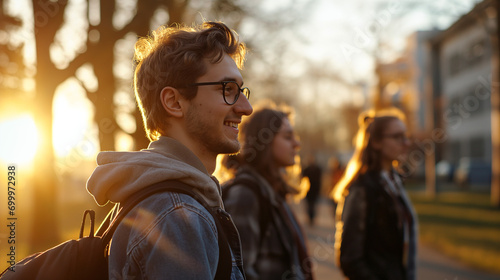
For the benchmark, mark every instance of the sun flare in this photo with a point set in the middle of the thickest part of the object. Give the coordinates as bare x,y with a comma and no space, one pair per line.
19,138
72,123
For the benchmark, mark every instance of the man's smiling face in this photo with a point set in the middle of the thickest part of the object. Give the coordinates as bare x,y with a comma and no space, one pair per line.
211,123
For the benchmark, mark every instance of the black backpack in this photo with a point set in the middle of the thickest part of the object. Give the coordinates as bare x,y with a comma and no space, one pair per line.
87,257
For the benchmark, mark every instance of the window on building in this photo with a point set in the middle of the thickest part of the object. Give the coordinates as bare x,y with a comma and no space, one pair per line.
472,104
477,146
453,107
454,64
476,52
471,55
454,152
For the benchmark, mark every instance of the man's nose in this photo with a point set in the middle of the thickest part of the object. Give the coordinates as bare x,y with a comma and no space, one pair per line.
242,106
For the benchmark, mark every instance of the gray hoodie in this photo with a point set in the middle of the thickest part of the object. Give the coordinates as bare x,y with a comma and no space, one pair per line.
120,174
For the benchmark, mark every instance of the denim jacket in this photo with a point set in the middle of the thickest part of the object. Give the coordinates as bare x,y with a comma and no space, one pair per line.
170,236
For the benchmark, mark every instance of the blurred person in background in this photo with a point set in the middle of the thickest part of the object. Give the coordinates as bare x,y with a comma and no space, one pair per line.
336,170
272,240
376,229
313,173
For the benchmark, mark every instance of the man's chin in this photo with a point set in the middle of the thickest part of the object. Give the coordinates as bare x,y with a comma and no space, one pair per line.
230,148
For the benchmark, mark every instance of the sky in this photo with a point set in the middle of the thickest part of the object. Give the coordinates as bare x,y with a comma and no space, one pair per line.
340,34
346,32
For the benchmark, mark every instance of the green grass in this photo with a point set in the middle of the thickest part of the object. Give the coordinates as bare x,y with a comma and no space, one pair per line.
462,225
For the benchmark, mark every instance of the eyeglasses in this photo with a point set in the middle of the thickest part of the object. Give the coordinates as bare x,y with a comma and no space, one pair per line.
399,136
230,90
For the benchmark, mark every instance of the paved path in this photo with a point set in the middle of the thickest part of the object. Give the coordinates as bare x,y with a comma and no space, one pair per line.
432,265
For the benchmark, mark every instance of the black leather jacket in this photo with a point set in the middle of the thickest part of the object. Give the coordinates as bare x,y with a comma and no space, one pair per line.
272,254
370,237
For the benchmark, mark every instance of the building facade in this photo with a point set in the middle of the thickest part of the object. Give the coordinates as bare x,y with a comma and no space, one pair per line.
461,75
444,82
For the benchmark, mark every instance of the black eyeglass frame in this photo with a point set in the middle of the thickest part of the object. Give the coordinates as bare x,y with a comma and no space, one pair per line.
224,83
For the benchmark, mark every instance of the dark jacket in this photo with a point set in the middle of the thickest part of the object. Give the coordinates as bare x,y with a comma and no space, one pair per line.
370,236
270,249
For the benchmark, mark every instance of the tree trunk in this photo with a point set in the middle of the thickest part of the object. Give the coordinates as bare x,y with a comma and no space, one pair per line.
103,98
45,230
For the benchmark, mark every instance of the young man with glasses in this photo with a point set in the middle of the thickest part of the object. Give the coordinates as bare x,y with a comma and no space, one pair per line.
189,89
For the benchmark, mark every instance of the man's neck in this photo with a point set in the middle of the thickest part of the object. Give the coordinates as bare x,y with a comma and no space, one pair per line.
208,159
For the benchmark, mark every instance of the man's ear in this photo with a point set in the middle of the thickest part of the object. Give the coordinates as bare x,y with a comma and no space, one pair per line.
169,97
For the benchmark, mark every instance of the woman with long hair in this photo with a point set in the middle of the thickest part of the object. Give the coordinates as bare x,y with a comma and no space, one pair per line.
376,229
272,241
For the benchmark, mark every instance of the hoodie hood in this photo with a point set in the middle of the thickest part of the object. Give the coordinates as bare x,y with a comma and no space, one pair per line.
120,174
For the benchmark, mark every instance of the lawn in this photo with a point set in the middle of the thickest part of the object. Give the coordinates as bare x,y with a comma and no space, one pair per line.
462,225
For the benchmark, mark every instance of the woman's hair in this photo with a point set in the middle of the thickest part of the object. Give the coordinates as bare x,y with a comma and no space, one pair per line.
257,134
372,126
174,56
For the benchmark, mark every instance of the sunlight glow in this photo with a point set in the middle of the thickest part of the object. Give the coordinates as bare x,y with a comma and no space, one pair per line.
72,122
19,139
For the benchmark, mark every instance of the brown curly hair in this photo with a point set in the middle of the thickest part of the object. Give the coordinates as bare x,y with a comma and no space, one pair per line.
173,56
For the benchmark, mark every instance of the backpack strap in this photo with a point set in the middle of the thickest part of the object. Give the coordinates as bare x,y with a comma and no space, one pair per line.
109,225
264,204
91,214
